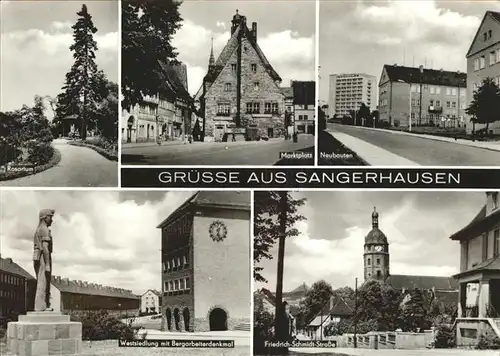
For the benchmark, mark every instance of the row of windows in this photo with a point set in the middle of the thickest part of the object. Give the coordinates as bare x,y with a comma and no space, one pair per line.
437,90
303,117
176,263
182,284
228,87
476,86
11,294
5,278
180,226
253,67
254,107
369,262
493,58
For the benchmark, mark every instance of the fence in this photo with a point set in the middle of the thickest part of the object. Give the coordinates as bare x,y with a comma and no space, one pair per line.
388,340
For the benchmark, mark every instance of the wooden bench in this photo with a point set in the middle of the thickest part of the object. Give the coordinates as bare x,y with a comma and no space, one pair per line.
23,167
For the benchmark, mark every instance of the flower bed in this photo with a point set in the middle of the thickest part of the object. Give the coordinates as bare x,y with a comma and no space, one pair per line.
108,151
53,161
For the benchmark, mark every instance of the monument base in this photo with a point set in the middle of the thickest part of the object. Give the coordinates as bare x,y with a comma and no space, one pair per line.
44,334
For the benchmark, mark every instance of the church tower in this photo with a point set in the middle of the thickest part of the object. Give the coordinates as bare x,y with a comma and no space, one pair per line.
376,253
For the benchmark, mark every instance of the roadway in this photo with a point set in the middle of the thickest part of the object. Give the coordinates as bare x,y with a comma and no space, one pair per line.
421,151
215,153
79,167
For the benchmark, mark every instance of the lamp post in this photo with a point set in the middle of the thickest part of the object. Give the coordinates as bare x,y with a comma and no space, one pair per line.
421,68
355,314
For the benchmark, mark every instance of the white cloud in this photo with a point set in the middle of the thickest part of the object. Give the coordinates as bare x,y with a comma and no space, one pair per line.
291,56
97,237
221,24
61,25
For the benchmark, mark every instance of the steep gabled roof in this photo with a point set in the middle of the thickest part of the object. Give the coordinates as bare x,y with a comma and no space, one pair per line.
398,281
228,50
9,266
154,291
429,76
173,84
239,200
304,93
478,225
336,307
495,15
287,92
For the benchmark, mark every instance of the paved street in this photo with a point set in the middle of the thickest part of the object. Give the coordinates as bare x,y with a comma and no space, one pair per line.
369,352
79,167
385,148
214,153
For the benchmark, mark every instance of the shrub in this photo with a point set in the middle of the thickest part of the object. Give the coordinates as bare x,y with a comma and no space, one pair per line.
488,341
445,337
39,153
263,331
8,153
100,325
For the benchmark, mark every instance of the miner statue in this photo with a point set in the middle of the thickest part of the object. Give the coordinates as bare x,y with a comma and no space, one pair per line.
42,260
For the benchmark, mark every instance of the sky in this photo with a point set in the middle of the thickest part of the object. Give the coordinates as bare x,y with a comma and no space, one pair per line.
361,36
35,40
104,237
330,245
285,31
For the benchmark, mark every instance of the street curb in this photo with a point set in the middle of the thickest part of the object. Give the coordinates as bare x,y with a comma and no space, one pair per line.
428,137
103,152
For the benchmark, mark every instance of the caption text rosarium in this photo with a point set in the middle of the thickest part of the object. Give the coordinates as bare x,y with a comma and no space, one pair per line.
221,177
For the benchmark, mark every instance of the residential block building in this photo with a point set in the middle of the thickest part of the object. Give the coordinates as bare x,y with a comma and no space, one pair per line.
479,269
348,91
151,301
421,96
483,61
241,88
206,263
167,114
17,290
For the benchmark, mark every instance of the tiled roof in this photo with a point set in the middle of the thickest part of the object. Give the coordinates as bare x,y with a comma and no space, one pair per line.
64,285
9,266
302,289
287,92
224,199
489,265
336,307
429,76
304,93
478,225
398,281
172,82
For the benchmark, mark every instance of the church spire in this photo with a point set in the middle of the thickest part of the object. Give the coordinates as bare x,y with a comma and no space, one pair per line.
374,217
211,61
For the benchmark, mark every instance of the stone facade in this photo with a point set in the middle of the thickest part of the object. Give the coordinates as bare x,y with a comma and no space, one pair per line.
43,334
484,47
262,101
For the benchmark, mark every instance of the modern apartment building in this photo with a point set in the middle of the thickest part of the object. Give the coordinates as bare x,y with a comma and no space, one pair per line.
348,91
483,60
417,96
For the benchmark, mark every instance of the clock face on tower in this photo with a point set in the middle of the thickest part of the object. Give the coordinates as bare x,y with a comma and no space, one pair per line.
217,231
379,248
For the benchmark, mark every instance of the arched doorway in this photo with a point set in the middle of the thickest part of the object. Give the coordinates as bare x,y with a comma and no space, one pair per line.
218,320
169,319
177,319
185,315
130,125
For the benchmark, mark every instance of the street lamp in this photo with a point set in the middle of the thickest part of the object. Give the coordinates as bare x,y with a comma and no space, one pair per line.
421,68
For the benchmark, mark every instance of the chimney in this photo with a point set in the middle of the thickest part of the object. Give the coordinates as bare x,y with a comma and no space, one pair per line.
254,31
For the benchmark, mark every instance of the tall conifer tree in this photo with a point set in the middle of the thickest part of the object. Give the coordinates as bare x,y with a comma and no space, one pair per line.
81,91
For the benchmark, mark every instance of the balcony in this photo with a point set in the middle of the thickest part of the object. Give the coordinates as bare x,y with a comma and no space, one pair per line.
435,109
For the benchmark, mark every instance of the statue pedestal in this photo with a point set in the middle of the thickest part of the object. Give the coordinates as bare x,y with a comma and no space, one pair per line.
44,334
